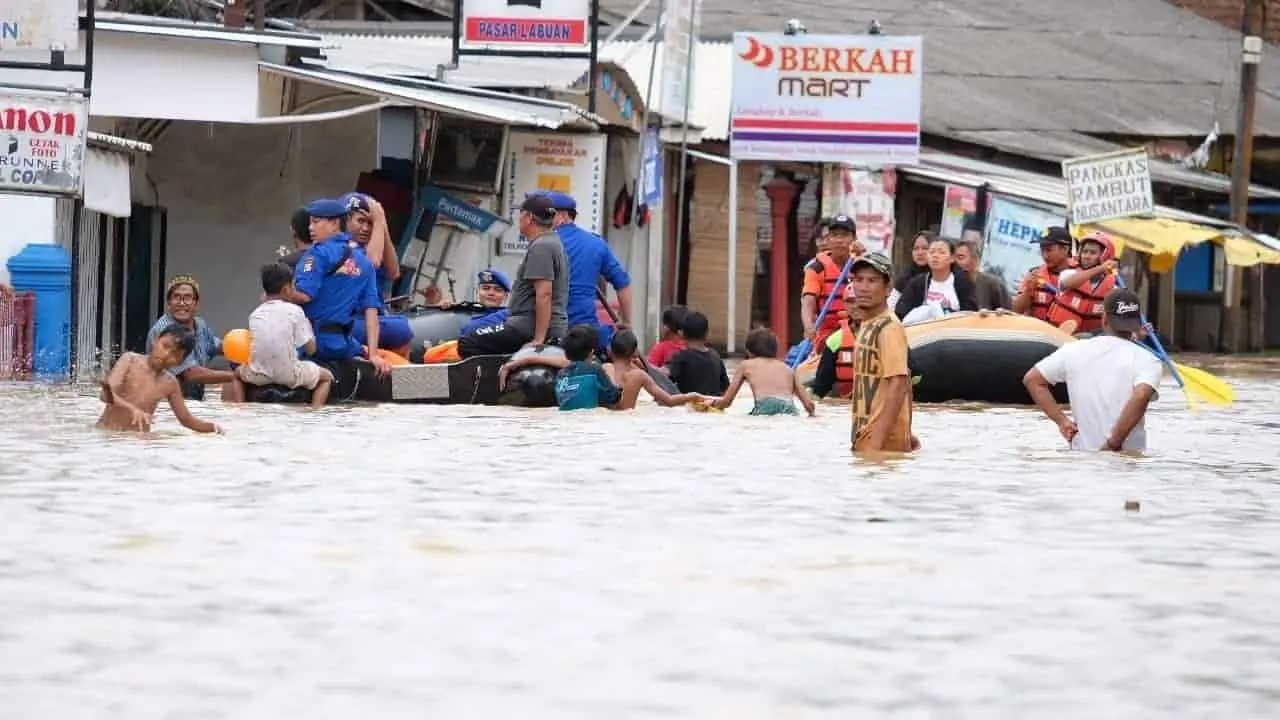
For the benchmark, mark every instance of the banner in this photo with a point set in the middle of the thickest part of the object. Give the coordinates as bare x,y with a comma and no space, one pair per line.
958,202
867,197
525,25
571,164
1012,244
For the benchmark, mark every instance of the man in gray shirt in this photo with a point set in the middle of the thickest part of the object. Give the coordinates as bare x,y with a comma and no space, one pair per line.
540,296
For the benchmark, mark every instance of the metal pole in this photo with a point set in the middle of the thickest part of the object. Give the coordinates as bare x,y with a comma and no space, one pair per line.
1241,166
593,62
653,256
731,325
684,147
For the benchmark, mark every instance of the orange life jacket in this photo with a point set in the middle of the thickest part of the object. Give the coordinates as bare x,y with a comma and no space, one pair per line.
1082,304
1042,298
830,272
844,361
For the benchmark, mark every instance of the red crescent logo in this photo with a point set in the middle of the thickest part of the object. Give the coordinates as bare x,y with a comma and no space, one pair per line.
757,54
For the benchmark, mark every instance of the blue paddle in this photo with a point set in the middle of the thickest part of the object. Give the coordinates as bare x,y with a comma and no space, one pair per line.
807,345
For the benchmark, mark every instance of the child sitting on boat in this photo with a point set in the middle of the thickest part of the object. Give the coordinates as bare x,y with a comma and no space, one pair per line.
630,373
138,383
279,328
772,382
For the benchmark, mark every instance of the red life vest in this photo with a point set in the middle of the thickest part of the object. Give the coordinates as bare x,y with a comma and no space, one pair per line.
830,272
1082,304
844,362
1042,298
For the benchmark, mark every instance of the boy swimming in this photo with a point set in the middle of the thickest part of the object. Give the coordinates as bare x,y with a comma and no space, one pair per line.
772,383
138,383
624,352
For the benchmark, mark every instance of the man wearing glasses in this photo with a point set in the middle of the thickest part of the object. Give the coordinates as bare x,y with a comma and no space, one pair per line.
540,296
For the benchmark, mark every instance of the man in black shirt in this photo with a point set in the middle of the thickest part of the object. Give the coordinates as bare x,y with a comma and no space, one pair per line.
697,368
300,227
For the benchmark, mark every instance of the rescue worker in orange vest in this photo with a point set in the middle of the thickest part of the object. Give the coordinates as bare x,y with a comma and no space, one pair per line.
1039,285
835,367
1078,306
820,276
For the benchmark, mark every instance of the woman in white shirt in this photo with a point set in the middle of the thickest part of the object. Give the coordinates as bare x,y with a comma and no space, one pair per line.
945,288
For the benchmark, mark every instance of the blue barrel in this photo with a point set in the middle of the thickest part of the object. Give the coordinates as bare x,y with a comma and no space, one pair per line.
45,269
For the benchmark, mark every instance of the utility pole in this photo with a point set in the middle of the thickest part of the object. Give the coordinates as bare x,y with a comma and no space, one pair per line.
1241,166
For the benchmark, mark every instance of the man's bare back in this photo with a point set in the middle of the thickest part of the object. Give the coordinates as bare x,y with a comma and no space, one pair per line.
768,378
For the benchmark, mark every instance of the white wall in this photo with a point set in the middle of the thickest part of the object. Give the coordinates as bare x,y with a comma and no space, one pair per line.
230,189
27,219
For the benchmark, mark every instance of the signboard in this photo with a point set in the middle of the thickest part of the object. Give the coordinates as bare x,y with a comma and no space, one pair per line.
1012,246
826,98
462,213
559,26
42,142
867,197
39,25
682,22
571,164
650,191
1107,186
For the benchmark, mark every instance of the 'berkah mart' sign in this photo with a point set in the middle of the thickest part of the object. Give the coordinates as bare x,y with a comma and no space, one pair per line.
1108,186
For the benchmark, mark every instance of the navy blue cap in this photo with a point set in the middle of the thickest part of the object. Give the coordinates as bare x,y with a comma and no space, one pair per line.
563,202
494,277
326,208
355,201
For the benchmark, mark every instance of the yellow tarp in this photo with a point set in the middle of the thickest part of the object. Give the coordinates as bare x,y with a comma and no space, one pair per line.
1164,239
1247,252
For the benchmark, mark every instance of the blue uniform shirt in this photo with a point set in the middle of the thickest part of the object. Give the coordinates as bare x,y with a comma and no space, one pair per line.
493,319
583,386
589,259
338,290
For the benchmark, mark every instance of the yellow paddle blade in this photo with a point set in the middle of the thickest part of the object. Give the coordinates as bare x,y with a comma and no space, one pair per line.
1209,388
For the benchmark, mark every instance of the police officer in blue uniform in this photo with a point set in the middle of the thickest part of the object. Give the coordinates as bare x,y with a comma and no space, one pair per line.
394,331
333,283
492,289
589,260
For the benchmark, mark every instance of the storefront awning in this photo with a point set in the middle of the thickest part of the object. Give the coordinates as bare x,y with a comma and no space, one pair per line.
1163,236
483,105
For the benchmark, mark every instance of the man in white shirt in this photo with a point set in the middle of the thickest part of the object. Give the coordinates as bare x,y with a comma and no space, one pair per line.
1111,379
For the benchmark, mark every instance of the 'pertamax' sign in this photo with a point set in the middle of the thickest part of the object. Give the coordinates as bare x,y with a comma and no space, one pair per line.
1108,186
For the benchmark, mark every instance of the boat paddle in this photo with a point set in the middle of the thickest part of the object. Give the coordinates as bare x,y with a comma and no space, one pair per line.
663,381
806,346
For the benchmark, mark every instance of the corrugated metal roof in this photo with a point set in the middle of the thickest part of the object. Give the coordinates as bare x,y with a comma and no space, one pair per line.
483,105
173,27
1060,145
945,168
1137,67
112,141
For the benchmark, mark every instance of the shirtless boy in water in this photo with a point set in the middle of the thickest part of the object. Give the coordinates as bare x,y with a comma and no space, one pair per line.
772,383
624,355
138,383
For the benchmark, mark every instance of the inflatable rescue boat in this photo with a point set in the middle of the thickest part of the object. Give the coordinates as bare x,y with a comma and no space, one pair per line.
975,357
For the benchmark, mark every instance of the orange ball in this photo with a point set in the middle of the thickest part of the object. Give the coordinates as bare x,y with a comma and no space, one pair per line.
236,345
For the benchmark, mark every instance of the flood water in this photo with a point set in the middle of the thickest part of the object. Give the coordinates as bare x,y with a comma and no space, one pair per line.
458,562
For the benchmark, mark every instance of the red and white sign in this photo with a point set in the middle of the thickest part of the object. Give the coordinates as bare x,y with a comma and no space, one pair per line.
539,25
42,142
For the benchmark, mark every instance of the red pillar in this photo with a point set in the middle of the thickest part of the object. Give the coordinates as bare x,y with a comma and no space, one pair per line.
782,193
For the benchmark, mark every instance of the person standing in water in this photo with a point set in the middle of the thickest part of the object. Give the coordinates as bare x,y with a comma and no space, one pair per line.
881,398
1111,380
772,382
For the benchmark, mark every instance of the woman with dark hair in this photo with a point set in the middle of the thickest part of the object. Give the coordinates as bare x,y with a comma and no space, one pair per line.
919,259
944,286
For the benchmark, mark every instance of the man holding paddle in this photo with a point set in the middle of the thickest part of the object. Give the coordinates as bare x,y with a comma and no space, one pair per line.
825,278
1111,380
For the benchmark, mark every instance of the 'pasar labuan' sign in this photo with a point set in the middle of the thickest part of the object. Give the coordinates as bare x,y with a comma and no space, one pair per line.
826,98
